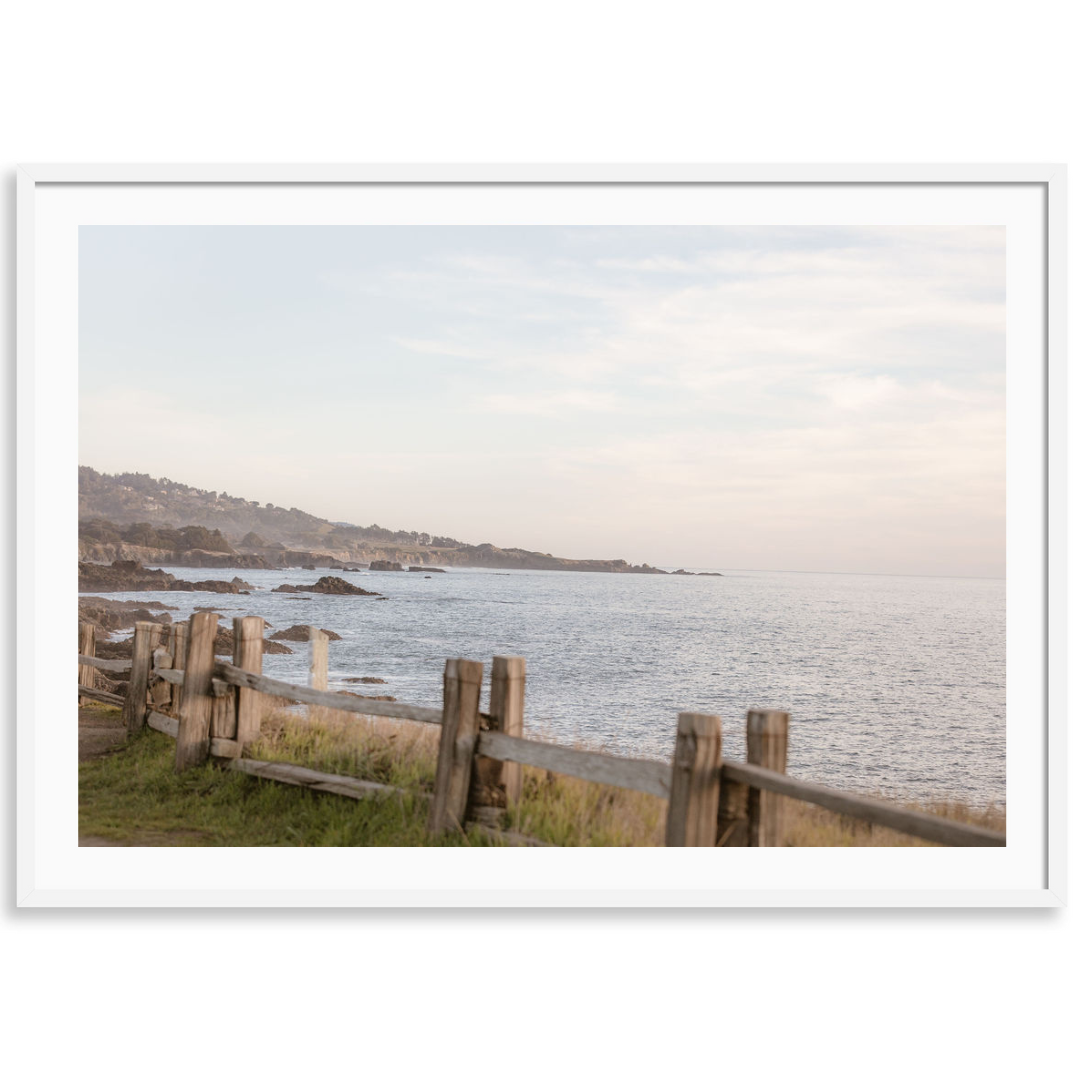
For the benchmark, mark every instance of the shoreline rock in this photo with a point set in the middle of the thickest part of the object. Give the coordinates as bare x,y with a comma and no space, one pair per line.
111,615
129,575
225,643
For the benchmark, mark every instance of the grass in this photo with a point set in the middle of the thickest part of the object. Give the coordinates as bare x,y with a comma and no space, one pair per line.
133,796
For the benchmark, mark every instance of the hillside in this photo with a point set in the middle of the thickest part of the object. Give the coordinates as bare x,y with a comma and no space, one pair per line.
160,521
130,498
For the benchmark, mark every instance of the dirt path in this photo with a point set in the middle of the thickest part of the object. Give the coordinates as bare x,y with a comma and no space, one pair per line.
100,730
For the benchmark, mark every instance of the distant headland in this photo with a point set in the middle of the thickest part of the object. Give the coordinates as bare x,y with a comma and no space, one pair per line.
161,522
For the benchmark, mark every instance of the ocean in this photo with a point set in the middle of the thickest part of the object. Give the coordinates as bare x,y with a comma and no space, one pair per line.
895,685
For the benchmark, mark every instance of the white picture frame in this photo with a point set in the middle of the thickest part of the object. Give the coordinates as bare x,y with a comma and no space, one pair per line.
53,871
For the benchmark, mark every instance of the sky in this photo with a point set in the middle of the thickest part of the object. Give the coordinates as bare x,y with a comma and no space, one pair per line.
784,399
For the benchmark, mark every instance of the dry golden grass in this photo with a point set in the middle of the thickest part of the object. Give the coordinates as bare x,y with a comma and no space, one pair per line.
555,809
806,825
568,812
397,752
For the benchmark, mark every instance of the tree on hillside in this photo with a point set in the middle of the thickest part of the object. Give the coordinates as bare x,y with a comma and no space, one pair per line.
99,530
198,537
142,534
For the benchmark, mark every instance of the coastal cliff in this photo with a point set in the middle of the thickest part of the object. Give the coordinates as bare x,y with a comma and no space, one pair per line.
89,551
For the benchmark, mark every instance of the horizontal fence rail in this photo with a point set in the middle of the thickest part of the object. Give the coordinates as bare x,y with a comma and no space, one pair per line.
652,777
213,709
101,695
104,665
330,783
167,725
235,676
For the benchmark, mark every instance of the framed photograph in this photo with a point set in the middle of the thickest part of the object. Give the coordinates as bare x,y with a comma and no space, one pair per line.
525,535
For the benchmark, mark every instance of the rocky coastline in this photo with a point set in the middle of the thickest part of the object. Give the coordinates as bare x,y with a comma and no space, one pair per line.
379,559
211,560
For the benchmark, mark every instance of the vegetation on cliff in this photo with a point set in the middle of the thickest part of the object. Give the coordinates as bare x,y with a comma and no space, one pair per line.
143,534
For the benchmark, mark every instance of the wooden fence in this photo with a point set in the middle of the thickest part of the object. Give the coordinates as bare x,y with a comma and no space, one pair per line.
214,709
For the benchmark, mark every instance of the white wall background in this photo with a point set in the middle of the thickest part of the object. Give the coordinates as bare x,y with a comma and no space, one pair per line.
906,993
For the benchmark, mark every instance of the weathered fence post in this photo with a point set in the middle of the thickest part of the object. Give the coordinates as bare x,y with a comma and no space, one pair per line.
457,744
193,737
694,806
733,827
766,745
319,670
179,653
508,713
161,657
248,654
223,712
142,649
87,647
496,785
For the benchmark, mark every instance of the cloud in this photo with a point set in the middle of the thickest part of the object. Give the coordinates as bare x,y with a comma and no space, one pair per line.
440,347
557,404
853,392
879,476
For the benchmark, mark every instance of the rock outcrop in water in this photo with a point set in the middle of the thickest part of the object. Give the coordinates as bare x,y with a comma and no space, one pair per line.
329,586
300,633
367,697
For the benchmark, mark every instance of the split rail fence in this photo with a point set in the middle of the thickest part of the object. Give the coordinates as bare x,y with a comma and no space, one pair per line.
215,709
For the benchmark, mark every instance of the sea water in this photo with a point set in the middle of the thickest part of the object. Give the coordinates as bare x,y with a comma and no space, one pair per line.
895,685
